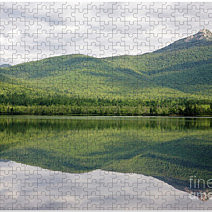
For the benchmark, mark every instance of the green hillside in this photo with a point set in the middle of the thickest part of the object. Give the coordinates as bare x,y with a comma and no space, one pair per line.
171,80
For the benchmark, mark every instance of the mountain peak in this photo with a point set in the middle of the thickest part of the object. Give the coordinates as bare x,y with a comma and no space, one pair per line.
203,34
201,38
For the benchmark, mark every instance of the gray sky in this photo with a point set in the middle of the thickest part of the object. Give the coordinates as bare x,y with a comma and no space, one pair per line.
32,31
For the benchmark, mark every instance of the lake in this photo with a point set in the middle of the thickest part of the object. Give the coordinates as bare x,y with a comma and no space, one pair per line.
105,162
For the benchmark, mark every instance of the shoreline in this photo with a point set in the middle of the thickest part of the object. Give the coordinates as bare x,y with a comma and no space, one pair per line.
100,117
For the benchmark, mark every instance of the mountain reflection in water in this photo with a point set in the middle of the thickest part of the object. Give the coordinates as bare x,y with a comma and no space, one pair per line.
169,149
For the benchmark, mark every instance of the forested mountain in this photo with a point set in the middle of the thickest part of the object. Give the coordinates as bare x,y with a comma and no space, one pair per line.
161,82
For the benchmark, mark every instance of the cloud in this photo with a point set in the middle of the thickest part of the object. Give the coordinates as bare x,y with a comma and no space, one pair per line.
32,31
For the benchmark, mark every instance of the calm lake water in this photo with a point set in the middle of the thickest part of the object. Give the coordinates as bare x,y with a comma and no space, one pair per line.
105,163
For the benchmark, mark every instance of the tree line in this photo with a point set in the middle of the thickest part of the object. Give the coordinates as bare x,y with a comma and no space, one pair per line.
15,104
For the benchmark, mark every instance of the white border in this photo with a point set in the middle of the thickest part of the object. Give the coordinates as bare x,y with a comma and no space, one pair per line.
101,1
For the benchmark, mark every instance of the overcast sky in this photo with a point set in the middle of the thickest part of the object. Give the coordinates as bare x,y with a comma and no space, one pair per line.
32,31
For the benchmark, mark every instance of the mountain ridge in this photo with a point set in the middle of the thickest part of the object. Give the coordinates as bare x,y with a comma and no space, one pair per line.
204,36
